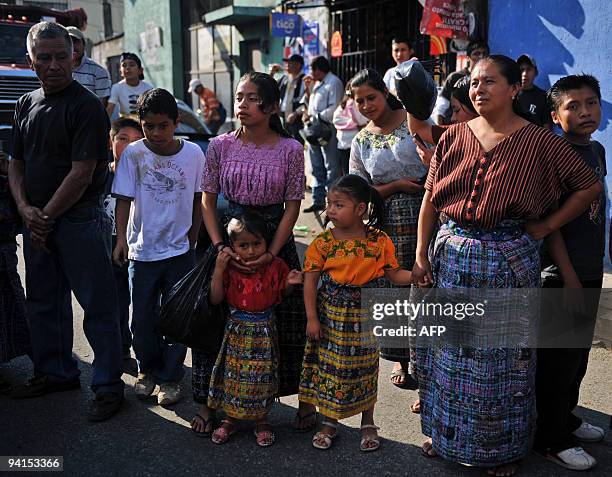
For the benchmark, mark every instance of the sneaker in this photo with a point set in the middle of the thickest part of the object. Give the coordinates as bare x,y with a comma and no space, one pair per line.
169,393
104,407
144,386
589,433
575,458
41,385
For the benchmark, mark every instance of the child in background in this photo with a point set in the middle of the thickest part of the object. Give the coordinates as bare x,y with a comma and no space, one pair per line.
158,190
348,121
127,91
347,257
575,102
123,132
244,380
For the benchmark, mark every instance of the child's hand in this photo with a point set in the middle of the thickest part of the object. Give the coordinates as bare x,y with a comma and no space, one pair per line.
421,273
295,277
313,329
120,254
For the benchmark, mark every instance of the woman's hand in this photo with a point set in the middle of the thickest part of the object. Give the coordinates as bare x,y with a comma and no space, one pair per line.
409,185
538,229
313,329
421,273
223,259
425,153
295,277
262,261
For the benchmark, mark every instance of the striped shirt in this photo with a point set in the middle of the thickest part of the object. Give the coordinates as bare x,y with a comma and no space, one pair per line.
522,177
94,77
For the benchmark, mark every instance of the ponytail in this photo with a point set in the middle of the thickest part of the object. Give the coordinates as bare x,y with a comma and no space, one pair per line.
277,126
376,209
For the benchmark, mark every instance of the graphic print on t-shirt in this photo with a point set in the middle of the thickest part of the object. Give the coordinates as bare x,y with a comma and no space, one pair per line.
164,181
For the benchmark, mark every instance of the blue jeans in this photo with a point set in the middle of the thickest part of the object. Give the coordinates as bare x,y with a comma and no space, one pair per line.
325,168
150,283
122,285
79,260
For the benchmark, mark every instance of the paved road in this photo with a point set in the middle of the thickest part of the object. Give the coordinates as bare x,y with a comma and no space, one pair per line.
146,439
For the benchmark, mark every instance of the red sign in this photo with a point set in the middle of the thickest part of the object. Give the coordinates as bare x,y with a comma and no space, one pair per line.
336,44
445,18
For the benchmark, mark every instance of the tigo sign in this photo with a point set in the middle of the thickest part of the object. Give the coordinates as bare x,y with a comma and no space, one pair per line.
285,24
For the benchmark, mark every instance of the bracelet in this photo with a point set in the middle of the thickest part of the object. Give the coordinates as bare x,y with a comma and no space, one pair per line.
220,246
271,254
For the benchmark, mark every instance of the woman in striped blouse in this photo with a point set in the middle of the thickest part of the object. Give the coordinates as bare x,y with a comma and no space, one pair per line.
492,183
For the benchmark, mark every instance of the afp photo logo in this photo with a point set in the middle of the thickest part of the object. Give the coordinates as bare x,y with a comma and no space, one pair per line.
285,24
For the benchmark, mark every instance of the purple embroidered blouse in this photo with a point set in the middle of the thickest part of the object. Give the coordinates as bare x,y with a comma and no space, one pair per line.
251,175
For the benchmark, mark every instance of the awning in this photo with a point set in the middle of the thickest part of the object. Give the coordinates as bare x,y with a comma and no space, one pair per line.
235,14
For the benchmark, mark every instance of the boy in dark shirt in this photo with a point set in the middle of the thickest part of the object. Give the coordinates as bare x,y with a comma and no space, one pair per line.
576,108
123,132
531,98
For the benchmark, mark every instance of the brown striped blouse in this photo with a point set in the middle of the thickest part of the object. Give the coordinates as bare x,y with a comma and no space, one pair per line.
520,178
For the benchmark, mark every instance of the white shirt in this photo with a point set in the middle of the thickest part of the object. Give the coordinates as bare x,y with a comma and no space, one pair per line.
389,79
126,96
325,97
94,77
162,189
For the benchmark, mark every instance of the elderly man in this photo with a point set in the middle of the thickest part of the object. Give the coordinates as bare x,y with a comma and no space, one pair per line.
57,177
85,70
323,99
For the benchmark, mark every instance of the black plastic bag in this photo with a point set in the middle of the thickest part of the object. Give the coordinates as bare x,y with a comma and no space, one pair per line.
317,131
416,89
187,316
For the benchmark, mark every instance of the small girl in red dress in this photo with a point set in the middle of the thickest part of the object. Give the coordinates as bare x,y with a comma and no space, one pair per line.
244,380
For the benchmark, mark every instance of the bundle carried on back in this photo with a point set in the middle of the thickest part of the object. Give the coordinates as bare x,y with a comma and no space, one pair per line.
416,88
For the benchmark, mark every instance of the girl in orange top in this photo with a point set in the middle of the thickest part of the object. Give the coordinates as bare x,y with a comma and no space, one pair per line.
347,257
244,379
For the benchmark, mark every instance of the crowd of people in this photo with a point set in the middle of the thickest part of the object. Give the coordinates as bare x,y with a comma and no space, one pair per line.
499,202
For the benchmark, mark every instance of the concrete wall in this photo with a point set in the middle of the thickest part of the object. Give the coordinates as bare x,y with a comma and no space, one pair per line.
565,37
160,22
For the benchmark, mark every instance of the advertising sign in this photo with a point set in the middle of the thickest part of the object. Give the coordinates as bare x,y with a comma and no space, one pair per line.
285,24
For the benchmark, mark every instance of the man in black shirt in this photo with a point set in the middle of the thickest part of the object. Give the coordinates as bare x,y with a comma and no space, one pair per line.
531,98
57,176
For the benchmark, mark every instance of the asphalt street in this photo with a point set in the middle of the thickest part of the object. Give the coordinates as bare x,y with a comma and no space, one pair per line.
146,439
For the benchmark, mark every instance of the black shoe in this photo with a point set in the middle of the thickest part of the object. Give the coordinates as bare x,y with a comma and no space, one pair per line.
41,385
104,407
315,208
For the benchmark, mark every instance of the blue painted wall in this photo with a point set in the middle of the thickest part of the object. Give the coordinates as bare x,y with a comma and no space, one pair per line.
565,37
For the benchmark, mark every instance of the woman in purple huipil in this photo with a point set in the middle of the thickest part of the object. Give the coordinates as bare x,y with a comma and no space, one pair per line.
260,169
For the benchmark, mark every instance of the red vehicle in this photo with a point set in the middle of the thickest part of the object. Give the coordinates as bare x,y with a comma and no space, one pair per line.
16,77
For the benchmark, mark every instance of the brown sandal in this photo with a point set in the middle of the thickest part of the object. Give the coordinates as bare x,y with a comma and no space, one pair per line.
416,407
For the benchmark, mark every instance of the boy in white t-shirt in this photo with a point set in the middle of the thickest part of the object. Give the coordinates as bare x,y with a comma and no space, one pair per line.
127,91
160,176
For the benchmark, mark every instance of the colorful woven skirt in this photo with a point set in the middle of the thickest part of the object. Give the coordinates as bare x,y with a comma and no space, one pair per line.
402,217
340,371
478,405
244,378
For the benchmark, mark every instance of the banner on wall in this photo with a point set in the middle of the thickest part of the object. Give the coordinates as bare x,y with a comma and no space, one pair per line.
445,18
336,45
285,24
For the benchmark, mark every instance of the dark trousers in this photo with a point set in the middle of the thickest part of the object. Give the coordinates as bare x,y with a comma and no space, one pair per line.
343,157
78,260
559,374
122,285
150,283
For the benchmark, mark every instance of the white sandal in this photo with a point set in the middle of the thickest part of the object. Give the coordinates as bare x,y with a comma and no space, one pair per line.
326,438
374,440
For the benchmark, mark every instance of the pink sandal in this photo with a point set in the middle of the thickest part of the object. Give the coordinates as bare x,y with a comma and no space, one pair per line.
264,438
224,432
